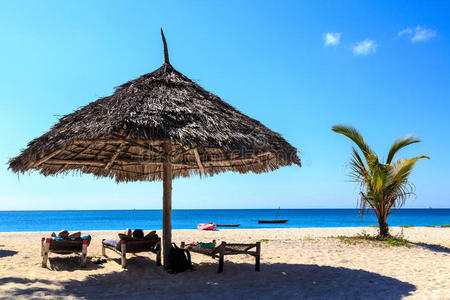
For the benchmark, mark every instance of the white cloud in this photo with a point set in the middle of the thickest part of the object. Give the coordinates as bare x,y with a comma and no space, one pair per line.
423,34
331,39
365,47
418,34
406,31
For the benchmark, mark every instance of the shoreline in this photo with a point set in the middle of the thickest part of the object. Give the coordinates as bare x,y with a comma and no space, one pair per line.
184,209
370,227
436,235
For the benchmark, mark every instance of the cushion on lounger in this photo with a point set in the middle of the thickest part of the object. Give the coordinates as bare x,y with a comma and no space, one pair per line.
112,243
133,246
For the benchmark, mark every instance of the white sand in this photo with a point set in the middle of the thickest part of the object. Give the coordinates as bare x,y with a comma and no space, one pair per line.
296,263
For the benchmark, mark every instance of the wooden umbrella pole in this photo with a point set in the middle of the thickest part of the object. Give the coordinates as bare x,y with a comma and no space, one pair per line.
167,203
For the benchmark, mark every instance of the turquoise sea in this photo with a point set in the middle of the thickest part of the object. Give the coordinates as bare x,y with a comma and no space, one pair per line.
188,219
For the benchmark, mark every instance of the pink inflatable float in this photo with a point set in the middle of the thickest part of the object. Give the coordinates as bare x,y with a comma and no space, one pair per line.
208,226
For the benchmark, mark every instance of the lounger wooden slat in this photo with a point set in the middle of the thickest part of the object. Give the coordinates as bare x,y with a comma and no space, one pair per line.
229,249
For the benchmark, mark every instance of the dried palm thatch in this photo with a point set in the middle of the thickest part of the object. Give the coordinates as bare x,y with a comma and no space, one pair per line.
121,136
159,126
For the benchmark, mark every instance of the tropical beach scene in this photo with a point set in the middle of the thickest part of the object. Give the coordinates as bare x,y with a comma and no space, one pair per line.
226,150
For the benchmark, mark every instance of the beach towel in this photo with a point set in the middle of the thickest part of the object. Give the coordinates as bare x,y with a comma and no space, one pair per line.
86,237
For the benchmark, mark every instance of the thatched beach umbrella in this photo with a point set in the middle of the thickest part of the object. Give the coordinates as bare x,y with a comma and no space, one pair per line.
159,126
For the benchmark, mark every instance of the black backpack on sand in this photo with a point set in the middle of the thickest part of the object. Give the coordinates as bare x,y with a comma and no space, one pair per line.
179,260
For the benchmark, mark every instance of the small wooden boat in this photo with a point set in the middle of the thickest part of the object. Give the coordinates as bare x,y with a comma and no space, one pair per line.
272,221
276,221
228,225
208,226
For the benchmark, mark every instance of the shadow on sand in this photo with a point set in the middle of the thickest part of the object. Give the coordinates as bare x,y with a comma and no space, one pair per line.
70,263
6,253
282,281
134,261
433,247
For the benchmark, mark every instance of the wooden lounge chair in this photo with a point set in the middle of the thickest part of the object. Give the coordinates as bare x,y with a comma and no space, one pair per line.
229,249
68,246
123,247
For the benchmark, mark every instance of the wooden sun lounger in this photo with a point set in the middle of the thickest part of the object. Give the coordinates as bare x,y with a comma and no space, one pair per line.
64,247
229,249
134,247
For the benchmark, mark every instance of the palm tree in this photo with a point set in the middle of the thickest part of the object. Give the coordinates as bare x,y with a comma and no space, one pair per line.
382,186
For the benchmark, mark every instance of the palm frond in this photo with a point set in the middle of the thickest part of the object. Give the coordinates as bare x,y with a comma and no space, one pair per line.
400,143
403,167
357,138
358,172
399,188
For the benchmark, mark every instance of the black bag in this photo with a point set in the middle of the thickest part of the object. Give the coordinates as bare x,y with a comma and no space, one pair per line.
179,260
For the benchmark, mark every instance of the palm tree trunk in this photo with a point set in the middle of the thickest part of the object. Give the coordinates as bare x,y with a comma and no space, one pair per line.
384,227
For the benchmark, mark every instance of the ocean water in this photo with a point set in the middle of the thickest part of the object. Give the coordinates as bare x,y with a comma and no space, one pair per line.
188,219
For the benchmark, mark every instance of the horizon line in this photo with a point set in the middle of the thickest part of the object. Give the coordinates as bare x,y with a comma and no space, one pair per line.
160,209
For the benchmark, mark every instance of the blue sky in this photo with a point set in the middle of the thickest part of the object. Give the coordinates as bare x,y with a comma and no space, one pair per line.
297,66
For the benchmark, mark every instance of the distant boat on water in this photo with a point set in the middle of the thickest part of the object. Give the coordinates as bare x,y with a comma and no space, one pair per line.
272,221
275,221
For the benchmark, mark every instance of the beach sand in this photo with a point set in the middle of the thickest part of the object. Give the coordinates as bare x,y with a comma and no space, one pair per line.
295,264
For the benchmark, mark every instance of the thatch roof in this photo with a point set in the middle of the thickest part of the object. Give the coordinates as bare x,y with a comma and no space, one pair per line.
121,135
